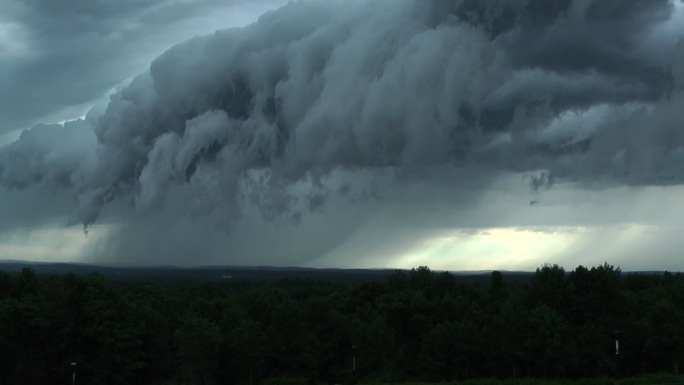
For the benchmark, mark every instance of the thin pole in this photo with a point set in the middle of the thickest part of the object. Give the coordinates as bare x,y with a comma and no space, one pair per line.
354,358
617,357
73,373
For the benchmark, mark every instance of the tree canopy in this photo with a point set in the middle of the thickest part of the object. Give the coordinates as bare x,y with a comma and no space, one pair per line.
414,325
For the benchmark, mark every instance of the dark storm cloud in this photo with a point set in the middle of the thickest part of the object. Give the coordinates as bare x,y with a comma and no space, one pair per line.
582,52
62,54
321,97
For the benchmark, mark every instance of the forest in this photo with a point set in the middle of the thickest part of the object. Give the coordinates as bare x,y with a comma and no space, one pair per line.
415,325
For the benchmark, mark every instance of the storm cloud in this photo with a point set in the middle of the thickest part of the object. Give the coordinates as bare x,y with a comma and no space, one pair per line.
59,57
319,103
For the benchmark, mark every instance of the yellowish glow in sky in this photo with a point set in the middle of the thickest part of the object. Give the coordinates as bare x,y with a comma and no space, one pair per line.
516,249
525,249
49,244
490,249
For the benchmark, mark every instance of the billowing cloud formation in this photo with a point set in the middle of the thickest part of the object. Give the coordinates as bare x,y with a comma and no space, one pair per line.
326,98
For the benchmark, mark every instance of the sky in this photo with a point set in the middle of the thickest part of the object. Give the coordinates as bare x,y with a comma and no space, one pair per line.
459,135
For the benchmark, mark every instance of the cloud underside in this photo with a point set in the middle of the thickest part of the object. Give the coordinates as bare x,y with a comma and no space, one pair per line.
320,110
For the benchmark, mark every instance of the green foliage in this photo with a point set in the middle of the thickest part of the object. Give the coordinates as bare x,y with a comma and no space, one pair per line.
285,380
197,341
558,328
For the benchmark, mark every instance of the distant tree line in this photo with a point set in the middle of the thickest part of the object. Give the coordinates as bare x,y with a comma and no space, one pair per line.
414,326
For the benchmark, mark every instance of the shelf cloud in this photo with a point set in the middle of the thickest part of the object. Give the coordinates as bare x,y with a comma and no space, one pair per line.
325,103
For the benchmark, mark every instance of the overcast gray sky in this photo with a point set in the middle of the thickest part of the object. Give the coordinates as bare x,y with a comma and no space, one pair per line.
58,58
375,133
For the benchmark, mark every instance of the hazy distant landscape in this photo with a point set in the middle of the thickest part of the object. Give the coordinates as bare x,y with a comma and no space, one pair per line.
233,273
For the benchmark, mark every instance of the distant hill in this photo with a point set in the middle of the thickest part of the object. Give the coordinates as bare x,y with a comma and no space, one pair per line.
236,273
